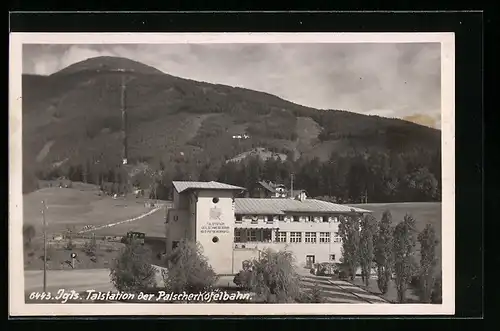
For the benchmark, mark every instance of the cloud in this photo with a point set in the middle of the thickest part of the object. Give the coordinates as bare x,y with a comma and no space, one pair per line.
394,80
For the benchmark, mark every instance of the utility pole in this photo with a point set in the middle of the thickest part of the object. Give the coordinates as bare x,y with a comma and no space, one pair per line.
291,185
124,120
44,247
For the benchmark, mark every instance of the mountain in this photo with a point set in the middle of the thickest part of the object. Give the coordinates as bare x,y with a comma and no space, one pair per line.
74,115
108,63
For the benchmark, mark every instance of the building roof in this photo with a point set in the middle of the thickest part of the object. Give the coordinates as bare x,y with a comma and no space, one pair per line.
181,186
297,192
267,186
250,206
270,186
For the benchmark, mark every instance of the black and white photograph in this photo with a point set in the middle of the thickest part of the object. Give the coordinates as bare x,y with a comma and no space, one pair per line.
257,174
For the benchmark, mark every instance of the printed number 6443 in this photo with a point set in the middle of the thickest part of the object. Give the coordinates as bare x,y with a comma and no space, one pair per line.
40,296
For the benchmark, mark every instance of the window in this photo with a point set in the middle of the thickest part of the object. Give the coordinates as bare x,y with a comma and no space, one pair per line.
310,237
270,218
337,238
252,235
324,237
310,260
239,218
307,218
296,218
237,235
295,237
326,219
335,219
215,200
281,237
332,257
281,218
267,235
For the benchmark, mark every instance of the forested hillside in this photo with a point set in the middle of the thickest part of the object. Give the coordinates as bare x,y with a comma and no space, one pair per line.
72,127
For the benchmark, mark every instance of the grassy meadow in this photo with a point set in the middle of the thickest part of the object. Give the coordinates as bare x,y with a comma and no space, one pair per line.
73,208
70,207
422,212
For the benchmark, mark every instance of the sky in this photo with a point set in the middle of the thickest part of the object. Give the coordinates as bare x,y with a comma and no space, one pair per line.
401,80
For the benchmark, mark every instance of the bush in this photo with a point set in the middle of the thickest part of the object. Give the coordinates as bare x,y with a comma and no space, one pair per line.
241,278
132,270
188,269
90,247
272,278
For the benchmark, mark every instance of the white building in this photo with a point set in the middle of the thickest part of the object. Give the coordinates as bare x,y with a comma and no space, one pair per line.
232,229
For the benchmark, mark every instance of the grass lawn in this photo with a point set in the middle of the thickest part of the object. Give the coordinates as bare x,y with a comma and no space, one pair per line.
59,258
72,207
80,206
423,212
152,225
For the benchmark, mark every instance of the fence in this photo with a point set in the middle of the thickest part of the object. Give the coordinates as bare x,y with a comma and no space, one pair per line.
90,236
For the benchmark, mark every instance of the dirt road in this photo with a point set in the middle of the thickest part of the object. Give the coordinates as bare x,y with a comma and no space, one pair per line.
99,227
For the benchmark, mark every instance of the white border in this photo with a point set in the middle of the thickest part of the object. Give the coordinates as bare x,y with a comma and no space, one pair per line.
16,272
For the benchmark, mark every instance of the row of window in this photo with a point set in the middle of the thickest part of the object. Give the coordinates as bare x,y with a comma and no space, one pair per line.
281,218
308,237
286,237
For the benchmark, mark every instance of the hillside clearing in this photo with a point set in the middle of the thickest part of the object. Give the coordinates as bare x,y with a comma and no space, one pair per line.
262,153
67,207
307,133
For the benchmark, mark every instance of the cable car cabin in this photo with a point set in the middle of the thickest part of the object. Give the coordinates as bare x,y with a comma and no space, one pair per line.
131,235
